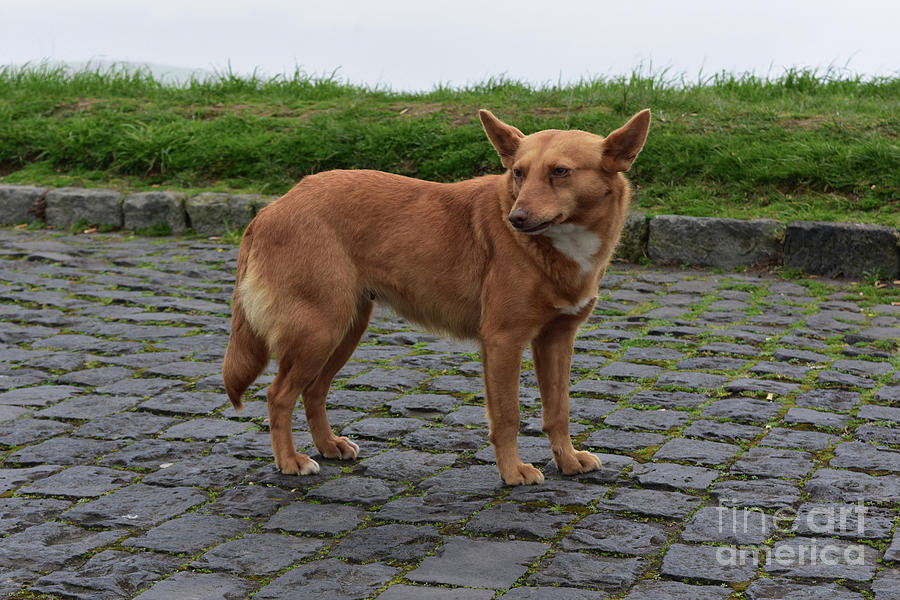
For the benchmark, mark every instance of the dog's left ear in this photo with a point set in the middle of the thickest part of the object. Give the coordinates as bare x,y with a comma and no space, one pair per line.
505,138
622,146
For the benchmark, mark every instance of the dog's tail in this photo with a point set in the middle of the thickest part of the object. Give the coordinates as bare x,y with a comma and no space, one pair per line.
247,353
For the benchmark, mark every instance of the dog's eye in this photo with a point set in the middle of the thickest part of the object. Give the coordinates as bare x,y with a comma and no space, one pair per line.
517,173
560,172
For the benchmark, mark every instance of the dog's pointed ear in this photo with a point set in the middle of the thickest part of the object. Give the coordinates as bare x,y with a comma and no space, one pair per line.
622,146
505,138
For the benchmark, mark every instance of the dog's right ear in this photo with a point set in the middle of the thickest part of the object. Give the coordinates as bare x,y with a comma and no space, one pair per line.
622,146
505,138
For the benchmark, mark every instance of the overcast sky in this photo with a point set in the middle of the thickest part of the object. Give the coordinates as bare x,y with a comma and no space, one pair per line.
416,44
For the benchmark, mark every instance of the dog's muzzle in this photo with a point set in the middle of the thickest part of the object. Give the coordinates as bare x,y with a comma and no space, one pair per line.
521,221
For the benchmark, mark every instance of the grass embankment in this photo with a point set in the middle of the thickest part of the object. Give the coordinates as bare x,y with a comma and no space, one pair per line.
800,146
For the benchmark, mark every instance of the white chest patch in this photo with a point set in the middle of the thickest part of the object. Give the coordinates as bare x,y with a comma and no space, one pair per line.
574,310
577,242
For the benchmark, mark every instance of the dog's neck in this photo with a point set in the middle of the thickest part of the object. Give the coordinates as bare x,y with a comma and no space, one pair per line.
577,278
577,242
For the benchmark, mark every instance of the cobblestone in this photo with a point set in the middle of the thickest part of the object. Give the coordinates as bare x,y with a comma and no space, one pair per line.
728,526
772,589
673,505
725,564
781,437
406,543
772,462
316,519
842,560
721,403
722,431
697,451
478,563
108,575
673,590
206,530
605,532
519,520
674,476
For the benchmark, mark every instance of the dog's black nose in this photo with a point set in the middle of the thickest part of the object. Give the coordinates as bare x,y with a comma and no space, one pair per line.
518,217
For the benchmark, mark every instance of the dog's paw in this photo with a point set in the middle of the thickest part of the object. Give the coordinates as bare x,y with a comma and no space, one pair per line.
523,474
297,464
578,462
338,447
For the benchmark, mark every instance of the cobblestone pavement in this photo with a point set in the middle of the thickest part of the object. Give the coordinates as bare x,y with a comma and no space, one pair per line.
749,428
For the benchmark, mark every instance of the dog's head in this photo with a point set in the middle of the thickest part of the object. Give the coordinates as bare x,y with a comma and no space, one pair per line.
562,176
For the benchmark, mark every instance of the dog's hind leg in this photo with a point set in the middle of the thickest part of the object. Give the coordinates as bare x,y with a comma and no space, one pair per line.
304,347
327,443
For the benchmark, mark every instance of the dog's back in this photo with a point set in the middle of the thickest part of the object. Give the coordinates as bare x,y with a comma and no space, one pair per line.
339,235
418,246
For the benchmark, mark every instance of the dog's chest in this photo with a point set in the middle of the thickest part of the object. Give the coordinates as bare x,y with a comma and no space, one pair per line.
577,242
580,244
575,308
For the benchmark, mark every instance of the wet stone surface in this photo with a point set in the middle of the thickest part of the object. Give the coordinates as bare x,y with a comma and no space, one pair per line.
844,520
722,431
809,557
200,585
774,462
674,505
742,409
697,451
709,563
616,439
770,589
478,562
399,542
605,532
206,530
781,437
587,570
655,420
728,526
742,421
258,554
110,574
17,514
80,481
522,521
673,590
851,486
674,476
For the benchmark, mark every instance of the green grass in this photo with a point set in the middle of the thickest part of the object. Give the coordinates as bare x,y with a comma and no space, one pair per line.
805,145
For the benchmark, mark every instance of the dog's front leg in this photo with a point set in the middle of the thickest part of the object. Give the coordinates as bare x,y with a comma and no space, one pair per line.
502,358
552,351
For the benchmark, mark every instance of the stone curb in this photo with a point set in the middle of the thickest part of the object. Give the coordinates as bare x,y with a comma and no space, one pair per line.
207,213
723,243
817,248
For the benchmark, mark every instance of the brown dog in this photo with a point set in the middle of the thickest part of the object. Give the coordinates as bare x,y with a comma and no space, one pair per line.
506,259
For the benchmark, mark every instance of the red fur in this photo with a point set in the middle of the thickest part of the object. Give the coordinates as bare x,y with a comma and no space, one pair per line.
445,256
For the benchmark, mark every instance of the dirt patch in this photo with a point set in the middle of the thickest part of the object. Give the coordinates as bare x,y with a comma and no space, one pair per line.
554,111
804,123
418,110
214,111
456,113
8,168
80,105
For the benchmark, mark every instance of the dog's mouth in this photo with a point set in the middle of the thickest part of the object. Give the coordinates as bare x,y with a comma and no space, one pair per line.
540,227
